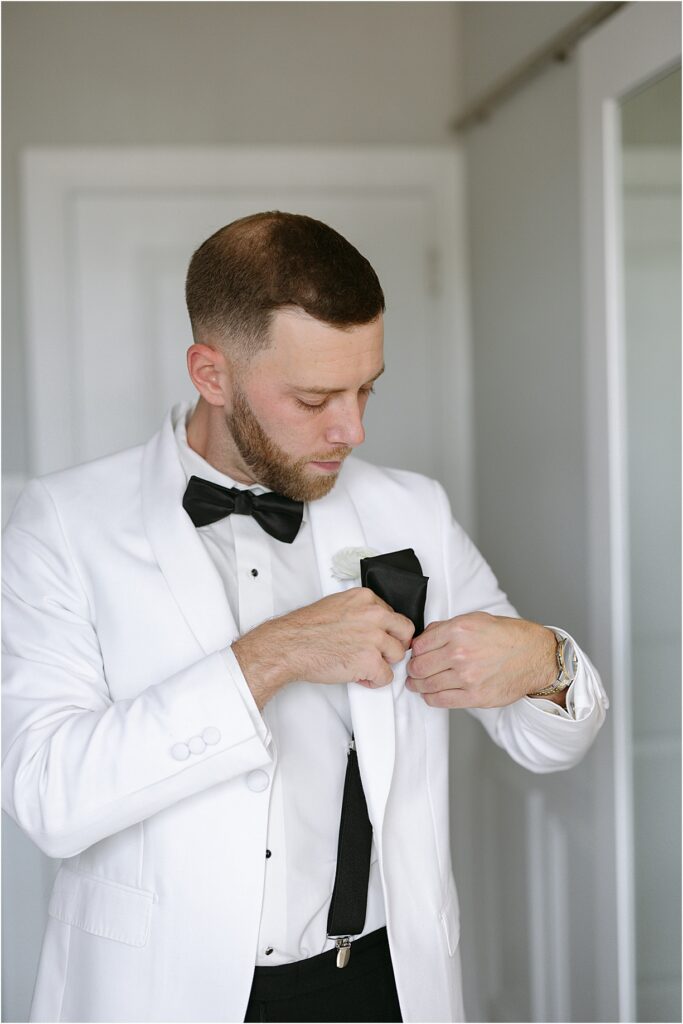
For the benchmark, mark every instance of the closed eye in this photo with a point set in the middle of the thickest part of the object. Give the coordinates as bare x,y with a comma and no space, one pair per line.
312,406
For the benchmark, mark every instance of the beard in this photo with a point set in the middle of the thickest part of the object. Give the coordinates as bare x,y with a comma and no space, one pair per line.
270,464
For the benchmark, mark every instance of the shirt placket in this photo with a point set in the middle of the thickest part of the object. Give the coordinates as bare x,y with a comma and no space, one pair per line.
253,565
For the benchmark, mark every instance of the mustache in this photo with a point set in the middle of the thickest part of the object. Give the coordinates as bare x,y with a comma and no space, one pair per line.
337,456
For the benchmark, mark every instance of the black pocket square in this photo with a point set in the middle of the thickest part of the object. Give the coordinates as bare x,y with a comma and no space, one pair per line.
397,578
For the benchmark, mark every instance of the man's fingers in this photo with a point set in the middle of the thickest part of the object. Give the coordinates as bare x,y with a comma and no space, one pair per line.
436,635
401,627
439,681
422,666
393,622
449,699
393,650
370,597
383,676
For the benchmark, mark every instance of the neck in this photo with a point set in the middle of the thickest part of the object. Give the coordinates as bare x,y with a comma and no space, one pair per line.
208,435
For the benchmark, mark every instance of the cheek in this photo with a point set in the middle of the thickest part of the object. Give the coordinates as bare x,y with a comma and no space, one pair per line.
294,430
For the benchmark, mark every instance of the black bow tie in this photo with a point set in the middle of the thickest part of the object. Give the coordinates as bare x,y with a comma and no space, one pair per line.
205,502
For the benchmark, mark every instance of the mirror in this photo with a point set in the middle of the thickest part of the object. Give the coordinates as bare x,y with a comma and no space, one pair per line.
651,218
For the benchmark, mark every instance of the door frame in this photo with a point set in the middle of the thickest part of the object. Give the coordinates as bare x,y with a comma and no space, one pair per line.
641,42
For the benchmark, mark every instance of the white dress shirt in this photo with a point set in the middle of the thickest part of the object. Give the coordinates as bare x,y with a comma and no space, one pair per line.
308,724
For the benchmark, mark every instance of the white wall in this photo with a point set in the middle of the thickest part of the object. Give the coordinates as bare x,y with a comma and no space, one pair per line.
523,191
136,73
522,169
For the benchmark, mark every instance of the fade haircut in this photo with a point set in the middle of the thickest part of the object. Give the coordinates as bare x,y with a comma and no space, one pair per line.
254,266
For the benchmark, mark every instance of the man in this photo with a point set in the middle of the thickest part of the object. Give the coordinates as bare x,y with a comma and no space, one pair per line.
190,671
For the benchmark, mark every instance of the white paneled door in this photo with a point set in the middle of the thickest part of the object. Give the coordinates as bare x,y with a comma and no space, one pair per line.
109,236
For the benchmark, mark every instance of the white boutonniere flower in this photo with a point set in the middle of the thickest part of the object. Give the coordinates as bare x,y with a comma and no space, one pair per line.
346,562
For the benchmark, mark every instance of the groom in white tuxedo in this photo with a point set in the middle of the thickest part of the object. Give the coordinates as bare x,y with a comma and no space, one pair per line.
192,669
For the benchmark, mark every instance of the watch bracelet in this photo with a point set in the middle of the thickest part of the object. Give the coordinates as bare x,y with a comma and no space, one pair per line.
563,681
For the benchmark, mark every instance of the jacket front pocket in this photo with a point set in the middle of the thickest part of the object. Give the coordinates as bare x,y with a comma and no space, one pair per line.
102,907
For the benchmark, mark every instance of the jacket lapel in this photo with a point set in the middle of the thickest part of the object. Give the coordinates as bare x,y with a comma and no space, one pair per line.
336,524
182,557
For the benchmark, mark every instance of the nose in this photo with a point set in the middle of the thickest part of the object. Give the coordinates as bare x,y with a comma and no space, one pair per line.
346,426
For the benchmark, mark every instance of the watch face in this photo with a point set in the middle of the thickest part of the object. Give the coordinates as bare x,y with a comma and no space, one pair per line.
571,662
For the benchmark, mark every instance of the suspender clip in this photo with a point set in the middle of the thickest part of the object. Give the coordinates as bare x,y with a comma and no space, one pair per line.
343,944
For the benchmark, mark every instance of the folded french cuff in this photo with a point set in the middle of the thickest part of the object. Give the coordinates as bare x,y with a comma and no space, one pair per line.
241,685
583,695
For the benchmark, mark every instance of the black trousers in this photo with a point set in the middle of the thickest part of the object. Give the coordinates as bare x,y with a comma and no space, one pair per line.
317,990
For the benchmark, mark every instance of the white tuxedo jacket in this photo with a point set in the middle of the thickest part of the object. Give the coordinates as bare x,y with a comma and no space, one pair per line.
115,620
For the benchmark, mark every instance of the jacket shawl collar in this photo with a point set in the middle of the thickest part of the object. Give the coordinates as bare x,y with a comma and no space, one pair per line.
336,523
178,548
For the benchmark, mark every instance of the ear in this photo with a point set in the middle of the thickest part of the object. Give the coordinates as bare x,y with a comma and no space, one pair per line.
211,373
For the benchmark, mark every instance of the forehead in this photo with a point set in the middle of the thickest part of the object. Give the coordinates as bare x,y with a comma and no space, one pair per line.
304,350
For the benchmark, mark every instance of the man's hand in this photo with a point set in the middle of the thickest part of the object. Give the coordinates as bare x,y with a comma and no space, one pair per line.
353,635
481,661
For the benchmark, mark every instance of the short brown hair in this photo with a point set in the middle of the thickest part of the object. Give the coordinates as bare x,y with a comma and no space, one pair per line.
248,269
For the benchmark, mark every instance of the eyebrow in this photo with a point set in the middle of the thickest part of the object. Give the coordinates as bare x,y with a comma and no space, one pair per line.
334,391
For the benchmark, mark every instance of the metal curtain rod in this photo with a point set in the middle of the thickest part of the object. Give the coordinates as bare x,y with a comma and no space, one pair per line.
558,49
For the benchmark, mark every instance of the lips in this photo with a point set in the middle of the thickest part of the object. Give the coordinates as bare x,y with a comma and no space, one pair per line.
329,466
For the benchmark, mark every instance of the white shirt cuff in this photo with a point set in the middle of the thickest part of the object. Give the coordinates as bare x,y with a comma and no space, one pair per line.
583,694
242,687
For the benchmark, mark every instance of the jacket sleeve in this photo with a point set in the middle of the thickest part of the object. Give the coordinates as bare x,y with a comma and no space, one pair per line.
76,765
536,733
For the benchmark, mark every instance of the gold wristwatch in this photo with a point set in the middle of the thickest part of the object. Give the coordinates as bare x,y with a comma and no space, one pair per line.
567,666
